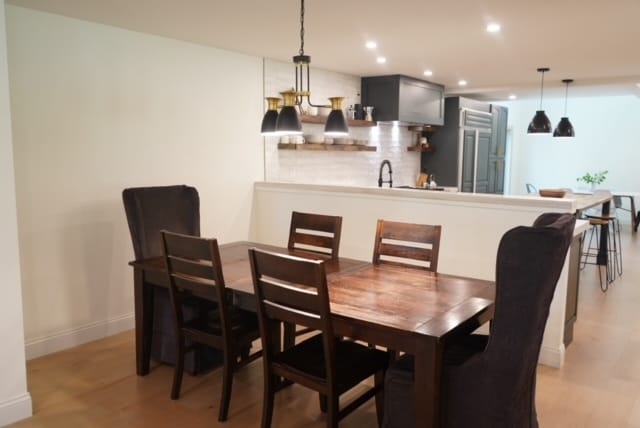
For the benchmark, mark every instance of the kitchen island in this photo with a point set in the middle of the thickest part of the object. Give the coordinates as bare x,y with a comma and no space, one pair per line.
472,225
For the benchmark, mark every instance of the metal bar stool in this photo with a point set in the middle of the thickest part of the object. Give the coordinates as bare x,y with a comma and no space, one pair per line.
613,265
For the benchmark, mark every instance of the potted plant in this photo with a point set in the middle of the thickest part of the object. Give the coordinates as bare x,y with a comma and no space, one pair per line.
594,179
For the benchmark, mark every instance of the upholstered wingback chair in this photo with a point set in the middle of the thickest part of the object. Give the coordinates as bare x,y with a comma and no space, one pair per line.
489,381
150,210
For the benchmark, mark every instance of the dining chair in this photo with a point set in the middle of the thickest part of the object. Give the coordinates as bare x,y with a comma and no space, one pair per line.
315,232
294,290
194,271
489,381
149,210
407,244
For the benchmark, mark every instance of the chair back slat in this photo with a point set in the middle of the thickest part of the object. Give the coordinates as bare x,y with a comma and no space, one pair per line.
315,232
408,244
199,268
290,295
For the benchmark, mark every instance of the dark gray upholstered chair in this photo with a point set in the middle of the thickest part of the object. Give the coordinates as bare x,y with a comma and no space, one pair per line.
489,381
150,210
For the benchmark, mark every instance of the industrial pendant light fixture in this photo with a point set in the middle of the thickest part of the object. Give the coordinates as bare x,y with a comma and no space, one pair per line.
565,128
288,121
540,124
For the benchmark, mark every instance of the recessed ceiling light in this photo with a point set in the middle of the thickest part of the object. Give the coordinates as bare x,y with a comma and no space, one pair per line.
428,73
462,82
512,97
371,45
381,60
493,27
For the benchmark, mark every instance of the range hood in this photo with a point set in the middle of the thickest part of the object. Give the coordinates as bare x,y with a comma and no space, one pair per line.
398,98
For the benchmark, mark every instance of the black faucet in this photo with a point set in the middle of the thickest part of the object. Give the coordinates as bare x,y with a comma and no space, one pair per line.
380,180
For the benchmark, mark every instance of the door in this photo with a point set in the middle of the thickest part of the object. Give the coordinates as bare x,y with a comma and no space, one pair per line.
476,144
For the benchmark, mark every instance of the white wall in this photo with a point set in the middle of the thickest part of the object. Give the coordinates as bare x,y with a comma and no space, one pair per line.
15,401
607,138
337,167
97,109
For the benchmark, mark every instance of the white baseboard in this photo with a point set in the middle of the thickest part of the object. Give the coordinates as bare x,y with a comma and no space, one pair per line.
552,357
15,409
77,336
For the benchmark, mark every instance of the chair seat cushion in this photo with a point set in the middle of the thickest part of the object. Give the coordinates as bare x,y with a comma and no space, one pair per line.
244,324
354,362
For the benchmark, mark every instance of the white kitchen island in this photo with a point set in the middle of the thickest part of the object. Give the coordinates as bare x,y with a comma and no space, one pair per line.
472,225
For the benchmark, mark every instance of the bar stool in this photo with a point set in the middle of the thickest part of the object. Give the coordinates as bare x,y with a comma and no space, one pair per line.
613,265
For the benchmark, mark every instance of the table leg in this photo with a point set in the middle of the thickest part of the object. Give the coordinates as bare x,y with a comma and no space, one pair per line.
427,379
143,296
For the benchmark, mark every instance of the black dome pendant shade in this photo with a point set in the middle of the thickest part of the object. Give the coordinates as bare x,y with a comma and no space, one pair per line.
540,124
270,117
565,128
336,123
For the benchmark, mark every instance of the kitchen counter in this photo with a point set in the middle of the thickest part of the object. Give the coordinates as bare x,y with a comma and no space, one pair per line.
472,225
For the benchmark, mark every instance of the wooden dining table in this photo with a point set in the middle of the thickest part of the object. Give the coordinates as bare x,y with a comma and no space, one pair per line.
405,309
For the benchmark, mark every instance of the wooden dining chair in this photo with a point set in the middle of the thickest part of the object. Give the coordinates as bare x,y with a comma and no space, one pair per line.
195,272
294,290
407,244
315,232
489,381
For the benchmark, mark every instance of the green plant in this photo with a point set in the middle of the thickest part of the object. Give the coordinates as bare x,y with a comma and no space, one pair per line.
595,178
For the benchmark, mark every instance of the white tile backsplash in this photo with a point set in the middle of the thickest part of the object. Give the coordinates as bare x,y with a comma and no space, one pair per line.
337,167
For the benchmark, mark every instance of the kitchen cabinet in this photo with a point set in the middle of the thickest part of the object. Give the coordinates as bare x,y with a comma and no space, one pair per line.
469,149
404,99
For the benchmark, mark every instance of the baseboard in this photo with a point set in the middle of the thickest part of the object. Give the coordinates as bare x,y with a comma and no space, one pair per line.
553,357
77,336
15,409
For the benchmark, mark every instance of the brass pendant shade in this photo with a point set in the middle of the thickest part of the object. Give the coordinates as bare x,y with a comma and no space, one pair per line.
565,128
540,124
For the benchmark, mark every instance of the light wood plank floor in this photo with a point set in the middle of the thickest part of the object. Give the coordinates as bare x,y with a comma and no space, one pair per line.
95,385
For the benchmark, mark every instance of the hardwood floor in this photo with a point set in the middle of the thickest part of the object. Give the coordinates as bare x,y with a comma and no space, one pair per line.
95,385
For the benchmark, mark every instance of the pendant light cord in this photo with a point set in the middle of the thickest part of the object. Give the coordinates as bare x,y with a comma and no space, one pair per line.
301,51
541,90
566,96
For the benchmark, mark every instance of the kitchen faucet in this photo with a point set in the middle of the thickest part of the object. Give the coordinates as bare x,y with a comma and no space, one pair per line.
380,180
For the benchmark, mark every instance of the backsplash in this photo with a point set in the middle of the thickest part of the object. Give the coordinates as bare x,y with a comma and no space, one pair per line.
358,168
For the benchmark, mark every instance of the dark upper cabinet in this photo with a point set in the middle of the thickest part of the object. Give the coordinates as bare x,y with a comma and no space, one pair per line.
404,99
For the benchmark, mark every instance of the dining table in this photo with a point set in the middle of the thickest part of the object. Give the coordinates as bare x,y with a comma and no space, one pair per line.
402,308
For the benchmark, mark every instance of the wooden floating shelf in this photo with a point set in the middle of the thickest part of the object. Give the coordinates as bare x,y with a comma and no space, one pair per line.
420,149
327,147
320,120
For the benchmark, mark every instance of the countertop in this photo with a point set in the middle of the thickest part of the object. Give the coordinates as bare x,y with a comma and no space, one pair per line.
570,203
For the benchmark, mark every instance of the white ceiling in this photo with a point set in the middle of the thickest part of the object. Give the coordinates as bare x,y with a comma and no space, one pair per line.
594,42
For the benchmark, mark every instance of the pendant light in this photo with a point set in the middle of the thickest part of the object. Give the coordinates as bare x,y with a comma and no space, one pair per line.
288,121
336,124
565,128
270,117
540,124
